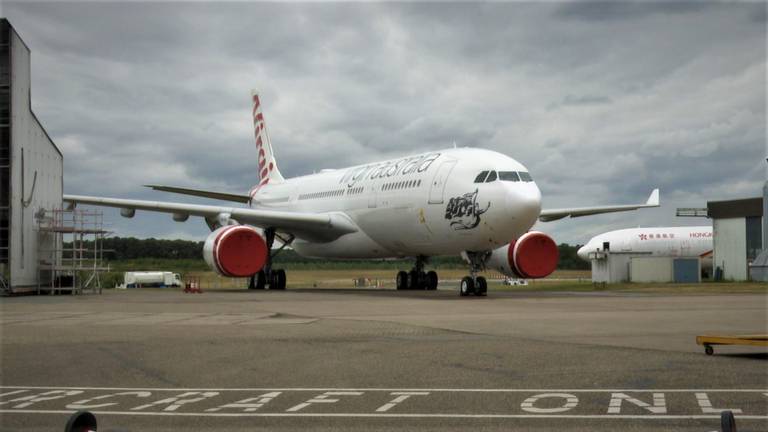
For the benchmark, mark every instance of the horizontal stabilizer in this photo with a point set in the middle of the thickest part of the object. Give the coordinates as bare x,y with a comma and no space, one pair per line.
223,196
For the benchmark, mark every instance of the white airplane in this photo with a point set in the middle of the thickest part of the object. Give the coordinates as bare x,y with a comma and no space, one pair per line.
477,203
683,242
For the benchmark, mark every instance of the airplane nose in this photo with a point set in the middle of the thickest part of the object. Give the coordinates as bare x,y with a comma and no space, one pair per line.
525,204
583,253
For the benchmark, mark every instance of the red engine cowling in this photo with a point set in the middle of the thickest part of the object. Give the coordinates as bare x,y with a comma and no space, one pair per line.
533,255
235,251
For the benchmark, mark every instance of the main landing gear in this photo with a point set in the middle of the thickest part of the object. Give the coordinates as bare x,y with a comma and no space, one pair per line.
474,284
268,277
417,278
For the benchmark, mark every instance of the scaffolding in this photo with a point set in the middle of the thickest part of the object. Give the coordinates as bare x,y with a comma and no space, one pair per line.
74,260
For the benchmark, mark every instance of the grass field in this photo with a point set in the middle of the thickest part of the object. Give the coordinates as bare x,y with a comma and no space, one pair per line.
382,274
560,280
375,277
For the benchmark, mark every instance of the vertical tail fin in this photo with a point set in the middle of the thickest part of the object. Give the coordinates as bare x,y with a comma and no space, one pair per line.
268,172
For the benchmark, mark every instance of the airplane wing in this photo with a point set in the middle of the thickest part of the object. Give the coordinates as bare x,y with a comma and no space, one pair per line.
555,214
310,226
202,193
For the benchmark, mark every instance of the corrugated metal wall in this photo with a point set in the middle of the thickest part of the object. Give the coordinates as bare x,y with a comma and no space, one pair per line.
5,147
730,243
35,161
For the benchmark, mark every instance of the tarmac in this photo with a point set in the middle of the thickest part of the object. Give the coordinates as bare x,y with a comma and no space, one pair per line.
365,359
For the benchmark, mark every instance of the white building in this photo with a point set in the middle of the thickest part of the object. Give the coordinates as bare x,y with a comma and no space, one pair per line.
31,168
738,236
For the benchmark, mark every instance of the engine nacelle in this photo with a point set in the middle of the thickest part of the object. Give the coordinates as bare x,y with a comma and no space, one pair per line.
235,251
533,255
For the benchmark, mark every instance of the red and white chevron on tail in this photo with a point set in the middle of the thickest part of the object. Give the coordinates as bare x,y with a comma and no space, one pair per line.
268,172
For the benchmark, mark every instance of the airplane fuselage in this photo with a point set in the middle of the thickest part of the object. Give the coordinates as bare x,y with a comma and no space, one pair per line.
427,204
683,242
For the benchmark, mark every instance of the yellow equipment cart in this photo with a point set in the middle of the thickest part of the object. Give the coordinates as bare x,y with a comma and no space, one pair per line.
708,341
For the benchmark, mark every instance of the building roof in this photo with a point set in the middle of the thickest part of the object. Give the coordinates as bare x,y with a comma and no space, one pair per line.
747,207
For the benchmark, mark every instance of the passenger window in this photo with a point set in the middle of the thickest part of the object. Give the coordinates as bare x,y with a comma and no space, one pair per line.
481,177
508,176
526,177
491,177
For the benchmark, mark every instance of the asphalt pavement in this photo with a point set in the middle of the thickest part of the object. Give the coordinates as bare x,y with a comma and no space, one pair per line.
324,359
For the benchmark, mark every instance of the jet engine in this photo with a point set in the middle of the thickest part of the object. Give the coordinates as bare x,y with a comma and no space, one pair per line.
235,251
533,255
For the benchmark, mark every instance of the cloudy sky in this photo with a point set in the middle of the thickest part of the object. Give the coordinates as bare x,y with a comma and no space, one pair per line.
601,101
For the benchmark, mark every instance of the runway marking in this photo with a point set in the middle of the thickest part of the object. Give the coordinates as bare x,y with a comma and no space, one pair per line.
175,402
323,398
401,396
659,403
247,404
635,404
383,389
42,397
83,404
404,415
706,405
571,402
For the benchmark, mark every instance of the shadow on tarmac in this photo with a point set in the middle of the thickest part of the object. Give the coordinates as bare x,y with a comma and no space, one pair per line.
754,356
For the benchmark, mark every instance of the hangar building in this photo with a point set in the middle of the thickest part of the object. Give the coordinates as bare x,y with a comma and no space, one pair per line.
738,236
31,170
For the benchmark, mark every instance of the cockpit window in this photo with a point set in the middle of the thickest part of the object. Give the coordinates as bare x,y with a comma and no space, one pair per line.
481,177
509,176
491,177
526,177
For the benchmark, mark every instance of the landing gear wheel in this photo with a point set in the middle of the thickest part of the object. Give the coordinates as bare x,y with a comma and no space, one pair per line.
467,286
401,280
709,350
257,281
431,284
481,286
414,280
278,280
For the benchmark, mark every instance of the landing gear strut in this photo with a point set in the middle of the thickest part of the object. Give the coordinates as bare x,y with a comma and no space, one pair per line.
417,279
268,277
474,284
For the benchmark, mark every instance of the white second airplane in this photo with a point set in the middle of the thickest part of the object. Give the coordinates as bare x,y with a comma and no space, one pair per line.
682,242
477,203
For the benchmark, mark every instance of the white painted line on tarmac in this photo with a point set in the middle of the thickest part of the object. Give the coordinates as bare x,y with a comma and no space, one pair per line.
377,389
395,403
404,415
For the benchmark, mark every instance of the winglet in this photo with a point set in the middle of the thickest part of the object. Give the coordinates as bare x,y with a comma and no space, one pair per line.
653,199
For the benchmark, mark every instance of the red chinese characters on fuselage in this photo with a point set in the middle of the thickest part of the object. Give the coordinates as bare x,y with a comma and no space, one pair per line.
652,236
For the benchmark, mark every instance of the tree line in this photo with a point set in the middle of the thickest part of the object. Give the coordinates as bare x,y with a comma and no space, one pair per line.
128,248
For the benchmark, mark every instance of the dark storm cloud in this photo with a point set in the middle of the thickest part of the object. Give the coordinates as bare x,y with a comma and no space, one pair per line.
601,101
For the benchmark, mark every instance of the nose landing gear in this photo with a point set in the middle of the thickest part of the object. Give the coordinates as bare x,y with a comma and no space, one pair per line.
477,286
474,284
